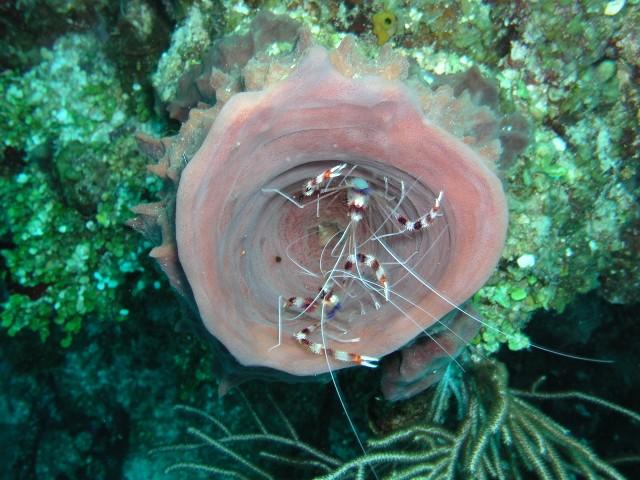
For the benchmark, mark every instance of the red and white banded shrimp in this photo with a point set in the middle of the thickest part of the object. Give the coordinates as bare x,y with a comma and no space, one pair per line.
383,256
351,268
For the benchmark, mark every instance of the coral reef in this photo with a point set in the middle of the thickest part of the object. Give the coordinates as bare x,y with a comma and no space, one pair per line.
217,75
76,85
30,25
574,189
69,175
560,233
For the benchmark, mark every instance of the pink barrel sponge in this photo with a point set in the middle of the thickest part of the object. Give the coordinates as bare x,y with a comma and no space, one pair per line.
243,242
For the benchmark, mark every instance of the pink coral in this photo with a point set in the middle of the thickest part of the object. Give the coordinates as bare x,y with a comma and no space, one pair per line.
224,236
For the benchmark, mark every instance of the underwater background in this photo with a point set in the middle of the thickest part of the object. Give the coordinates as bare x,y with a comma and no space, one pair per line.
102,372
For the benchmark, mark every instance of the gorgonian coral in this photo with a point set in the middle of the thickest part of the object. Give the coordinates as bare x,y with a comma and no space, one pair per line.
239,235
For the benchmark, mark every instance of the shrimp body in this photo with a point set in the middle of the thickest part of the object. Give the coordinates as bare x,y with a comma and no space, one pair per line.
361,272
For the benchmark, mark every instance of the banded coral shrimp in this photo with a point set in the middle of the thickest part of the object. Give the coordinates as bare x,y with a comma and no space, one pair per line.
376,245
357,270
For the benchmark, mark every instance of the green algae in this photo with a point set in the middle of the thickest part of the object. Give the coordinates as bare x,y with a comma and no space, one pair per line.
571,198
71,172
66,266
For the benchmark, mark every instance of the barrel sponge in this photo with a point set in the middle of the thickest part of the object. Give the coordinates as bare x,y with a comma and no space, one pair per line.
219,232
